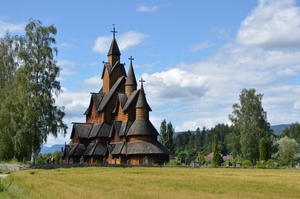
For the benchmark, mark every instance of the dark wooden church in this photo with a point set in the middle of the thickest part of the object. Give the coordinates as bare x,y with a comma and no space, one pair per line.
117,128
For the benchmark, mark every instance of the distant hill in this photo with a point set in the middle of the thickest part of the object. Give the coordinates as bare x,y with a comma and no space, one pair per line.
56,147
277,129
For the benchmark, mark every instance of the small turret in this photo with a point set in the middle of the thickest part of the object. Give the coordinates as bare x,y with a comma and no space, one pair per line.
130,84
142,106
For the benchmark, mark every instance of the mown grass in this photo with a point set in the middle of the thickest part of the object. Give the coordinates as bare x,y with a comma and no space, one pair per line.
139,182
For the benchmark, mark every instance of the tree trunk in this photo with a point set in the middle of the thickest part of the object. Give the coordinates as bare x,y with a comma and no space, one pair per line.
32,159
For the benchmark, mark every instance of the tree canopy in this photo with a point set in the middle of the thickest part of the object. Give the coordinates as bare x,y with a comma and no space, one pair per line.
250,125
29,100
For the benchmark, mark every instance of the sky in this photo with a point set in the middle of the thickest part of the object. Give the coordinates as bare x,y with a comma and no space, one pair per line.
195,56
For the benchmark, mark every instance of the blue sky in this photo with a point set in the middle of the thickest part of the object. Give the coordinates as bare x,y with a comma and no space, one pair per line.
196,56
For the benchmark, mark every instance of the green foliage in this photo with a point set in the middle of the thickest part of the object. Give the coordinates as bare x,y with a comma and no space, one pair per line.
246,163
28,88
216,160
271,164
292,132
288,150
57,157
250,125
263,154
166,135
175,163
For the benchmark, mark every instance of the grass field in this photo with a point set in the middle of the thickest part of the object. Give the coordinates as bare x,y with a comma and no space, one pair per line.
140,182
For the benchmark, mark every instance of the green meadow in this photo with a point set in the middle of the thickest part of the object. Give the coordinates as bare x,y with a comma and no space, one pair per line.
152,182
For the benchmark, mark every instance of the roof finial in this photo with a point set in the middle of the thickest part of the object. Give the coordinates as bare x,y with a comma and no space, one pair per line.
142,81
131,58
114,31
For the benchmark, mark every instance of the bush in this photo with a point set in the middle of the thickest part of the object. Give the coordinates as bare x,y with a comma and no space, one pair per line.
175,163
271,164
246,163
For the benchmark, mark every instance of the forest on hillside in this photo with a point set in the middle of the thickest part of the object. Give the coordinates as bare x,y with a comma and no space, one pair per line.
250,138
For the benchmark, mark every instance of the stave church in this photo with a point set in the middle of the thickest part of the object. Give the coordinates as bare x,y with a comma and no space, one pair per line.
117,128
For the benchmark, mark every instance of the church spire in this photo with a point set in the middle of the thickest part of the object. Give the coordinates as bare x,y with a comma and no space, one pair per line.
114,52
130,84
142,106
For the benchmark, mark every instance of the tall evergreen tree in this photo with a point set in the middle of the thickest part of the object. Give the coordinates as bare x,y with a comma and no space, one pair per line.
163,132
263,150
216,160
170,133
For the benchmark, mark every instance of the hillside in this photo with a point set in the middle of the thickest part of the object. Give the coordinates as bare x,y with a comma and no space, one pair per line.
56,147
277,129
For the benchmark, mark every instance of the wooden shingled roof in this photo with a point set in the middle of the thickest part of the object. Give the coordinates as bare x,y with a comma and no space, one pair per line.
77,150
81,129
96,149
110,94
144,147
142,127
100,130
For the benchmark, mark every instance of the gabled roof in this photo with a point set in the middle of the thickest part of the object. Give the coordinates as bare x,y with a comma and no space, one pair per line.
81,129
131,100
142,127
100,130
122,98
77,150
96,99
110,93
144,147
142,102
110,68
118,148
116,125
125,127
114,48
96,149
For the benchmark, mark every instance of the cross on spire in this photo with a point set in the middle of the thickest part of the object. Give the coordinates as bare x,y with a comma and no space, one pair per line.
114,31
142,81
131,58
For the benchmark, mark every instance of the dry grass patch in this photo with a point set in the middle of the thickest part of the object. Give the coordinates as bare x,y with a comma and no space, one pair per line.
154,183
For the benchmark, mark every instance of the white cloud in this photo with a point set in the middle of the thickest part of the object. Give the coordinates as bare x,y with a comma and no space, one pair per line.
5,25
125,41
66,65
297,105
96,80
102,44
65,46
286,73
273,23
148,9
203,45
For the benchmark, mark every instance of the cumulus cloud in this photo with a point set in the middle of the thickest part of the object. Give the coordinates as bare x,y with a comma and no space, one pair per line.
273,23
148,9
125,41
5,25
